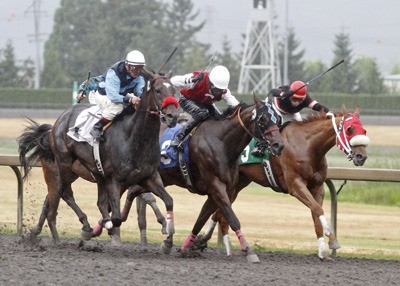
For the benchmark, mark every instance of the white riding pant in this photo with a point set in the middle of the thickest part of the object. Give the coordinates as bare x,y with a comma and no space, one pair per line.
109,109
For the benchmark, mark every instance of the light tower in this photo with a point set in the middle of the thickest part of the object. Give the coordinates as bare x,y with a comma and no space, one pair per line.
260,65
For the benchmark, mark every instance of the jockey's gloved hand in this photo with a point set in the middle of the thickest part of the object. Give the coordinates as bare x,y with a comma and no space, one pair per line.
81,94
286,94
197,78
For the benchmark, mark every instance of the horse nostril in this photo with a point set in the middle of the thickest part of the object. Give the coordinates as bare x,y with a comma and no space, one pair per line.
277,148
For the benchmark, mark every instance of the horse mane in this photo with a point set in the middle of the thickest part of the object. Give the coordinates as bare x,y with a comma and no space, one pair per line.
312,117
230,110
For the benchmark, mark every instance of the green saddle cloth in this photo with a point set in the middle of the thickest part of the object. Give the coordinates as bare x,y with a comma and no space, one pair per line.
246,157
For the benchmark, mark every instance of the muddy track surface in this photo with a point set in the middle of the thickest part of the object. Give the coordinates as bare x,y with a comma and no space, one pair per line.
98,263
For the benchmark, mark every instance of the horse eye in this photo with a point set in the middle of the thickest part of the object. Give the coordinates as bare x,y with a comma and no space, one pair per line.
350,130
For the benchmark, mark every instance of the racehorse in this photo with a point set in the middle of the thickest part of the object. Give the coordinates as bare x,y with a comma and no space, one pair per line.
130,156
301,169
213,152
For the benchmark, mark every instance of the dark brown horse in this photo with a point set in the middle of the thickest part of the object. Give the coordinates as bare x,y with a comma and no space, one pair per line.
213,152
301,169
130,156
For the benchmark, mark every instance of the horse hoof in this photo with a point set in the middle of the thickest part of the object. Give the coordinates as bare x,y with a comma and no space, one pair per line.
165,248
30,237
334,244
252,258
86,235
326,259
116,241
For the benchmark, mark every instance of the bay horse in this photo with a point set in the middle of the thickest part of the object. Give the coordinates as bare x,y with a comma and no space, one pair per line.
130,156
301,169
213,152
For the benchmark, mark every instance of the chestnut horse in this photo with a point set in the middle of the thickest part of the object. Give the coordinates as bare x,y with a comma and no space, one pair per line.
301,169
130,155
213,152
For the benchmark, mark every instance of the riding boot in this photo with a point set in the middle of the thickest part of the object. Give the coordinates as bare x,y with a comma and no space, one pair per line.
97,130
259,149
193,122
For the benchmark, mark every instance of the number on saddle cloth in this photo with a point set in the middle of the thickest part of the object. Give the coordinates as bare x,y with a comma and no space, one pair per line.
246,157
169,155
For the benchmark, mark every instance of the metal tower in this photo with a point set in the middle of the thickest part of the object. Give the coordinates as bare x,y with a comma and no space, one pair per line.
260,65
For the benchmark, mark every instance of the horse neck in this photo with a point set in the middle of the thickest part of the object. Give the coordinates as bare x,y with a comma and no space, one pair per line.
320,136
143,124
234,135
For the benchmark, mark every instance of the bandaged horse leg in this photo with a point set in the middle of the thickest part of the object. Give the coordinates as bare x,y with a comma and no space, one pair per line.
333,242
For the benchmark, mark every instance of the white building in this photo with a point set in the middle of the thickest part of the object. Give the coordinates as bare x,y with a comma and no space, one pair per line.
392,82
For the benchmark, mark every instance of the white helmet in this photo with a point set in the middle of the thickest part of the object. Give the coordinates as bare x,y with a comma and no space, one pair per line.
135,58
219,77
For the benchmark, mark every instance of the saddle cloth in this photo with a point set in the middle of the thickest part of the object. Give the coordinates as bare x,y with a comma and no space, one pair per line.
247,158
169,155
83,125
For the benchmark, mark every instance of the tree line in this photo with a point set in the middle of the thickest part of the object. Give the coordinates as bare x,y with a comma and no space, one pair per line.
92,35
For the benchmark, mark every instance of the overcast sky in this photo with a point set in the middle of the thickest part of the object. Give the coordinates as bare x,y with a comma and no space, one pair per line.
373,25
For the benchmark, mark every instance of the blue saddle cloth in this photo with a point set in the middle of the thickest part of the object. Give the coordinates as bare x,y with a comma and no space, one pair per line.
169,155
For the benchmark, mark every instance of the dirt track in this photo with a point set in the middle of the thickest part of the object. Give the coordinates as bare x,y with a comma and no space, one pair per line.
97,263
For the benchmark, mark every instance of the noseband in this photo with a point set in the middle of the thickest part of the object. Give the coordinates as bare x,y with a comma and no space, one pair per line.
341,137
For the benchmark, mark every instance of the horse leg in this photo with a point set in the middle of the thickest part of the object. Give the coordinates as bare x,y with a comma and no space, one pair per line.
141,217
149,199
217,217
142,201
156,186
68,197
224,204
37,229
320,224
209,207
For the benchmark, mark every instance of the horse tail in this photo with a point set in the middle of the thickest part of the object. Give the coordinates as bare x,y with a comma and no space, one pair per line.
36,141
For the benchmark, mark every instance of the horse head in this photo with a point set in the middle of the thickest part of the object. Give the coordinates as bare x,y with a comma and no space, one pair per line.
164,96
352,138
266,123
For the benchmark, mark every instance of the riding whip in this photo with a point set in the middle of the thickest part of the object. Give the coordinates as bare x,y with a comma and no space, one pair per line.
167,60
211,61
85,86
318,76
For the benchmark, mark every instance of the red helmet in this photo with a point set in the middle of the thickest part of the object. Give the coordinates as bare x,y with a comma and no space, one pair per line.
301,93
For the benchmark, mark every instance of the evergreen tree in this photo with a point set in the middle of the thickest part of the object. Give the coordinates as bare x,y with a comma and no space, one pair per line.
93,35
369,79
313,69
12,75
343,78
179,19
295,57
195,59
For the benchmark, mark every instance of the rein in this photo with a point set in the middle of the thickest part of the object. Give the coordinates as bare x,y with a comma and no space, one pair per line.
346,144
248,131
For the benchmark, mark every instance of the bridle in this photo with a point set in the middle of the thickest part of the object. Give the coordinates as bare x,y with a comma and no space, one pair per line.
262,128
343,144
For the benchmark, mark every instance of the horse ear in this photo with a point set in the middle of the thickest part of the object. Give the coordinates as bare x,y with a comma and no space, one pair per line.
357,111
257,101
344,109
169,74
147,72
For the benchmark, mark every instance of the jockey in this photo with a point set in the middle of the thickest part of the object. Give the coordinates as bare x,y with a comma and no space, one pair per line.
288,101
199,90
121,85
